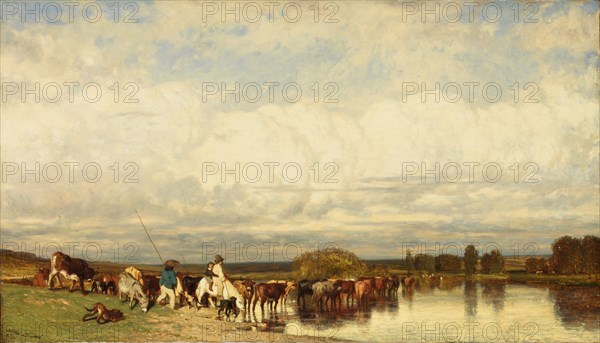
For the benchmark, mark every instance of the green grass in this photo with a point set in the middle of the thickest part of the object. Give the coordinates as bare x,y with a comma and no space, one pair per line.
573,280
37,314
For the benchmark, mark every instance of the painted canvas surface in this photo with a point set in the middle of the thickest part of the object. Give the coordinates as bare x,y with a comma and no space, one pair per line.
300,171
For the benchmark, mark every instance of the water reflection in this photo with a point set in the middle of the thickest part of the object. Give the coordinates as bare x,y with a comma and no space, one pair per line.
470,291
543,313
494,293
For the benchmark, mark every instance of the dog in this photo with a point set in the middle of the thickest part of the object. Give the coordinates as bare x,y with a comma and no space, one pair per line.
228,305
104,314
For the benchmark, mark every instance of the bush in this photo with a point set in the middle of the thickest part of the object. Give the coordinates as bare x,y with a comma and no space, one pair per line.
447,263
425,262
328,263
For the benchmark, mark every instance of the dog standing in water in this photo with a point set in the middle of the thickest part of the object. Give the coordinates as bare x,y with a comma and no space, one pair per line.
103,313
228,305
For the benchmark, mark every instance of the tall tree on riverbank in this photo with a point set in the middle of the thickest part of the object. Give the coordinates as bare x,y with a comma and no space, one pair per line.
471,256
566,255
492,263
410,262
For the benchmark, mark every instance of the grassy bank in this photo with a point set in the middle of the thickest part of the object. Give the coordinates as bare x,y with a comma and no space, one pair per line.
35,314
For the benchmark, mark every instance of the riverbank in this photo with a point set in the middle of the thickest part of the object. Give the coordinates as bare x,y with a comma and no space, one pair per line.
37,314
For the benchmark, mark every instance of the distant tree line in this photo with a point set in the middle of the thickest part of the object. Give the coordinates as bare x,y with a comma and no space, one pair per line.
491,263
570,255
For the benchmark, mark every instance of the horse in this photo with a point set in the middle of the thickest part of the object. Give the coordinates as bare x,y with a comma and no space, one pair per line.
228,292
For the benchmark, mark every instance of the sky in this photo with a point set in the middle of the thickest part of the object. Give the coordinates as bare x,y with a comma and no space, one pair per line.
361,142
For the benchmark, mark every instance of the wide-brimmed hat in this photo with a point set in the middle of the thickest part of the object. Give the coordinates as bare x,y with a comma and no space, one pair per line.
171,263
218,258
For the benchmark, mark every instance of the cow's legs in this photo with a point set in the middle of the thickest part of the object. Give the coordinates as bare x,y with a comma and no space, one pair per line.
52,275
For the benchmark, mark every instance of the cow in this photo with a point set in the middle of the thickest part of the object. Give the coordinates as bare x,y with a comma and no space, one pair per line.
321,293
98,286
363,290
246,290
74,269
151,286
348,290
392,286
304,289
132,290
41,278
381,286
289,287
190,285
268,291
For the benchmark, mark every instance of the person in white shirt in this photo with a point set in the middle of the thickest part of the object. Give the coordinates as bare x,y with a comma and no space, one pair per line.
219,280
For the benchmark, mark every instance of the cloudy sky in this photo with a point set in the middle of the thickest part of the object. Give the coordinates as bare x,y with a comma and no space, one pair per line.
365,131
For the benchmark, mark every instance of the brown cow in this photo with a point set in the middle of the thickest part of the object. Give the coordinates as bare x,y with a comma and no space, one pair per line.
268,291
363,290
74,269
151,286
246,290
289,287
348,290
380,286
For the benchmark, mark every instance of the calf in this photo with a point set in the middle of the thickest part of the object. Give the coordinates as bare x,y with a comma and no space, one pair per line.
131,290
268,291
246,290
74,269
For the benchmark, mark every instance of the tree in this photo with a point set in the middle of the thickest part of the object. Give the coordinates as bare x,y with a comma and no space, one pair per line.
425,262
447,263
567,255
410,261
535,265
492,263
471,256
590,250
328,263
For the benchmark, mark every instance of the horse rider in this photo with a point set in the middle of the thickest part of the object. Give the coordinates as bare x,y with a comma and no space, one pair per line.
219,278
209,274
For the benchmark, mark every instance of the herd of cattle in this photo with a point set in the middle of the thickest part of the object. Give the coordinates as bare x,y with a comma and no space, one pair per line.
132,285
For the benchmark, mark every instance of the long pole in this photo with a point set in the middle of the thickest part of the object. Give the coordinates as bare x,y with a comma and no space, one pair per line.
150,238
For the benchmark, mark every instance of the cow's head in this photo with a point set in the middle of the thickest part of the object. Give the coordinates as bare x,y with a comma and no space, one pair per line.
248,284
